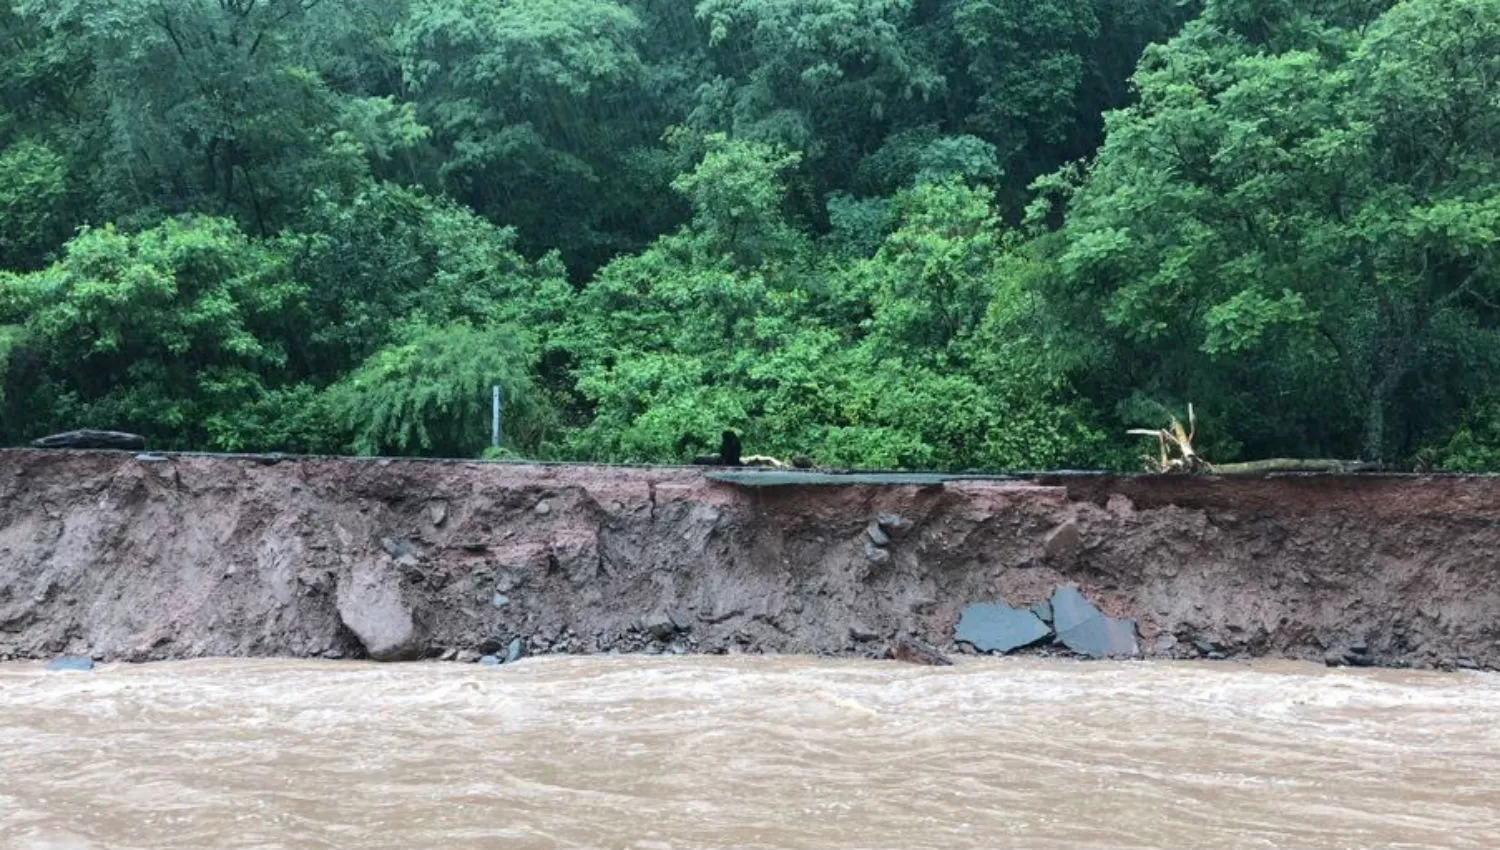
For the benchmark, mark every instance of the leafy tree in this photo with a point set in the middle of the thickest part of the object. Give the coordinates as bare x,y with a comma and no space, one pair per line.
1297,240
33,190
874,363
382,255
806,73
157,332
667,330
1473,446
204,107
1025,68
737,194
532,109
924,154
936,271
295,418
430,393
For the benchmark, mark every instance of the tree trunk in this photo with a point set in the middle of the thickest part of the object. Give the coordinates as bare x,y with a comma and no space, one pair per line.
1282,464
1374,442
1394,354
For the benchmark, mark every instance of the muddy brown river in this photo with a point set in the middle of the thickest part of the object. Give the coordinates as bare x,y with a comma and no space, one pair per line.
745,752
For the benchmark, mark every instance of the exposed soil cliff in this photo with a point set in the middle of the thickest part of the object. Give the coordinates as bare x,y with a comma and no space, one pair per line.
119,556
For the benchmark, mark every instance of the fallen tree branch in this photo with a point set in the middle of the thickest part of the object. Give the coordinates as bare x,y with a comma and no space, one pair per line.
1175,438
1284,464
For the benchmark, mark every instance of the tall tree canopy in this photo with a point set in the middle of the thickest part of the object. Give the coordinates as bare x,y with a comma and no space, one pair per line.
1303,240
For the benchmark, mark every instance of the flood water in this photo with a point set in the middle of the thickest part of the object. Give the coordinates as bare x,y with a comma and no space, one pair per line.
744,752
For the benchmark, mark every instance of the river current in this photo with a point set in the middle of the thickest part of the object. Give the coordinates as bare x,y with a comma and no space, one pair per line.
660,753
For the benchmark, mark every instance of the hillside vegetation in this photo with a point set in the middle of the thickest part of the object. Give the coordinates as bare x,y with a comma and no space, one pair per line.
893,233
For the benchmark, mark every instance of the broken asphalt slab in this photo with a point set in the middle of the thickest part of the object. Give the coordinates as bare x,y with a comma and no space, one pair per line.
1084,629
993,627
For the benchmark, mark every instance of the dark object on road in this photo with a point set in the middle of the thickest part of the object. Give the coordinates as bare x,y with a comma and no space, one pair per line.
87,439
729,452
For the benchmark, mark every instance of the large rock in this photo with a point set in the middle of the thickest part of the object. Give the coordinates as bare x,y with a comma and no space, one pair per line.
87,439
660,626
992,627
516,651
913,651
371,604
1064,542
1085,630
895,525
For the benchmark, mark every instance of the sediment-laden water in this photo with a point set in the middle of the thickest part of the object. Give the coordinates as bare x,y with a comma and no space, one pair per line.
747,752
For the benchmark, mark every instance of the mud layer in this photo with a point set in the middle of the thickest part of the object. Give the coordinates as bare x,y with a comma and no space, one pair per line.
119,556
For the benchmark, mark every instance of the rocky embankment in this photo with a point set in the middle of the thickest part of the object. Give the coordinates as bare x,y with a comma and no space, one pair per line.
114,555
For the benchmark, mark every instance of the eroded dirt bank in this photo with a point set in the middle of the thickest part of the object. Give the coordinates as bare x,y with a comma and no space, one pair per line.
119,556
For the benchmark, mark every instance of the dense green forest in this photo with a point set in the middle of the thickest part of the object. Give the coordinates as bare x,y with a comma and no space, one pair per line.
887,233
